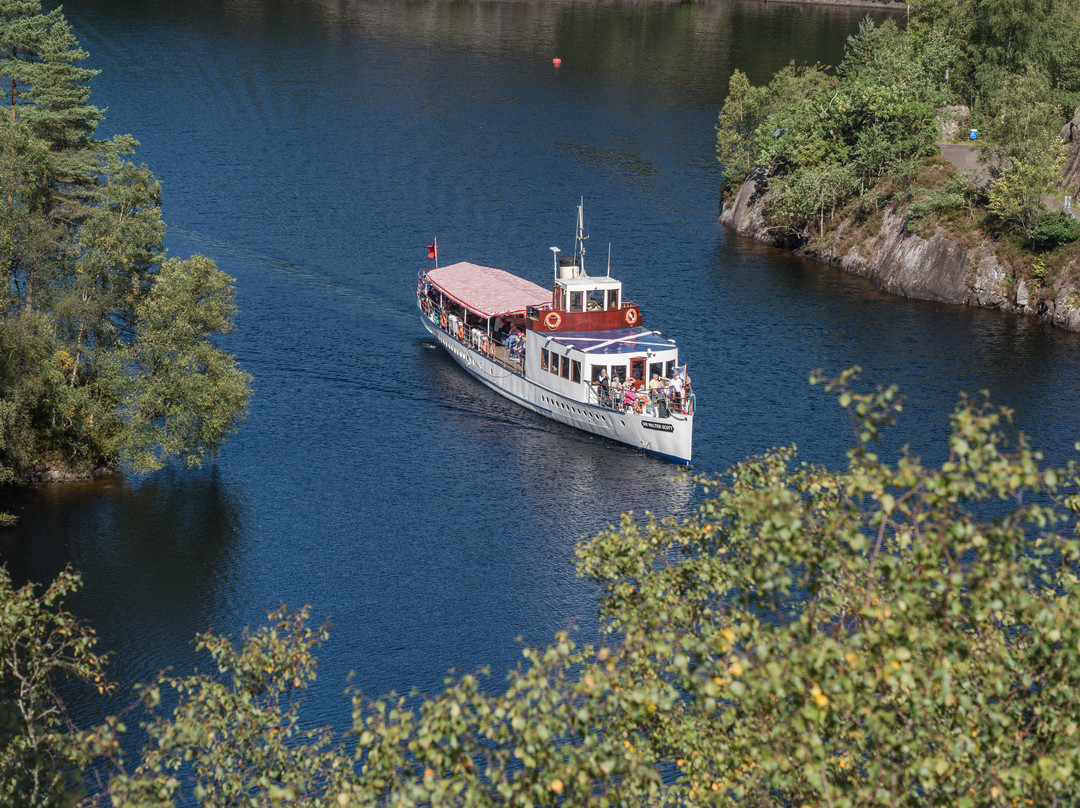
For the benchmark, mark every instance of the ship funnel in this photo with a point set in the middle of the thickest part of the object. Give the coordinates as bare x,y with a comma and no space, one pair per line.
568,268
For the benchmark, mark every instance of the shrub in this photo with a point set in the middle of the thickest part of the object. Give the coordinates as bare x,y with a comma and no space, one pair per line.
1053,230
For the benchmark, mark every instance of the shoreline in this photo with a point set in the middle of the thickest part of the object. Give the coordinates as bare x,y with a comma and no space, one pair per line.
939,268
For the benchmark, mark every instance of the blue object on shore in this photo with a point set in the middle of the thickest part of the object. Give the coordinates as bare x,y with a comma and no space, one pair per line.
974,134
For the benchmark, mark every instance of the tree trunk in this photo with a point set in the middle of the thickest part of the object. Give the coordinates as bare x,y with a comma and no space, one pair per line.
78,353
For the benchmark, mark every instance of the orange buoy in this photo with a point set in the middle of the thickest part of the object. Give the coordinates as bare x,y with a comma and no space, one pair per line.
556,62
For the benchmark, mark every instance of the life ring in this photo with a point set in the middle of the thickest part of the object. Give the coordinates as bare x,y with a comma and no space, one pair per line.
639,404
553,320
461,331
442,320
484,346
631,316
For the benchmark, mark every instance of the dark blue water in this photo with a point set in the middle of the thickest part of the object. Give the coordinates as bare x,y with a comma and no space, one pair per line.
313,150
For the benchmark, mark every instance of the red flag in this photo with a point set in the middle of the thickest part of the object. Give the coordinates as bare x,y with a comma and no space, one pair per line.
432,251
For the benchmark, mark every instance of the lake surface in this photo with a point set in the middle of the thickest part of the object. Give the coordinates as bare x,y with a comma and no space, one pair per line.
313,149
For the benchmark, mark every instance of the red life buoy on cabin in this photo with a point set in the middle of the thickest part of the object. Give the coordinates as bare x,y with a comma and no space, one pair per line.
484,346
553,320
442,320
631,316
461,331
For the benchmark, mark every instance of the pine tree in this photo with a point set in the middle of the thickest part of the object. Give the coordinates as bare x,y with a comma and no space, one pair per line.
80,249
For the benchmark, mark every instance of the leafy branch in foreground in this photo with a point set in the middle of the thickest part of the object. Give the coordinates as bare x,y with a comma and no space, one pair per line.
42,644
886,634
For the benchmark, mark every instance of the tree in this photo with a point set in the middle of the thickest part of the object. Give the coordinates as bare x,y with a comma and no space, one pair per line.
864,637
1017,197
182,395
876,635
811,193
752,116
1024,120
881,634
81,248
236,738
739,118
42,644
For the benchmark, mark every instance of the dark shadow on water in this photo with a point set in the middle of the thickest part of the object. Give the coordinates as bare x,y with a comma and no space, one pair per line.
155,556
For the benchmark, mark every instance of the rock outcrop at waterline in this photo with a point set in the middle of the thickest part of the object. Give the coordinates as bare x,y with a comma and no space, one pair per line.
937,268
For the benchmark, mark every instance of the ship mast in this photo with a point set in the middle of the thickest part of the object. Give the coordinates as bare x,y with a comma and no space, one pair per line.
579,238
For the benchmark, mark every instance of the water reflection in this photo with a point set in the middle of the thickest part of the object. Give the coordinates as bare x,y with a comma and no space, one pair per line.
313,149
565,472
156,556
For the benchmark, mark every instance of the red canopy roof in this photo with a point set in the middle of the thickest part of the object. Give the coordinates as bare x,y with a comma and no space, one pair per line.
486,290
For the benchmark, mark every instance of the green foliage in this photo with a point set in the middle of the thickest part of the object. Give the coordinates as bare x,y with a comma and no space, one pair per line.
80,248
739,119
1015,62
1014,37
750,114
1024,121
1054,230
985,42
957,193
825,140
1017,197
236,739
864,637
41,644
881,634
809,195
183,395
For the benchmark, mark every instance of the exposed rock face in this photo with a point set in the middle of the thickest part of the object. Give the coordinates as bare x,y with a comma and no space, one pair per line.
47,474
936,268
1071,135
952,122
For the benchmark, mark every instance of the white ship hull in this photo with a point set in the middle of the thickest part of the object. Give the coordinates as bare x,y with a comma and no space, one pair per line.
668,437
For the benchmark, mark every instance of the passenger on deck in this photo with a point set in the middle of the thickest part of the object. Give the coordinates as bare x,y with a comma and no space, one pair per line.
516,344
605,388
677,391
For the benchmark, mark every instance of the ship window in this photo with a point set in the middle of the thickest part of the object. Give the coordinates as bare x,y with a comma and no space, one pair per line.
618,372
575,372
596,371
612,298
575,302
637,370
543,359
554,362
565,367
657,368
670,369
595,301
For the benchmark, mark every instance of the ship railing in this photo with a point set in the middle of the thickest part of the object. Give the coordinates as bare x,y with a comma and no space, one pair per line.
663,403
475,338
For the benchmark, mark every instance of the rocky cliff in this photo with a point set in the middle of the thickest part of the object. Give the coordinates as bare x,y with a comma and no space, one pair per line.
936,268
1070,133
